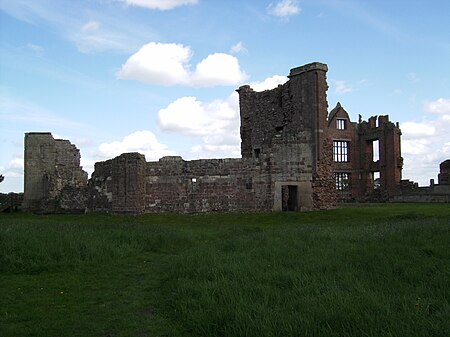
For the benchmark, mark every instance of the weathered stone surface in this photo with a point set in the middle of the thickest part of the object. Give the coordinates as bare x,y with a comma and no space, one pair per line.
54,180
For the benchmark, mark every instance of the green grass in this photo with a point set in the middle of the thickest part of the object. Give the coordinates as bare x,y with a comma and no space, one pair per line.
373,270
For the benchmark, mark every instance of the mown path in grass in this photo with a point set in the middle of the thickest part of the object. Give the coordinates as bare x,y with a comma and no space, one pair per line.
380,270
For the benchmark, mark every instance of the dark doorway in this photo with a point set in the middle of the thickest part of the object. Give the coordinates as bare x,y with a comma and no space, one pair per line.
289,195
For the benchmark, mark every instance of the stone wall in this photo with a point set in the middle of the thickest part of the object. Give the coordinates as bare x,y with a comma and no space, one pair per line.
411,192
54,180
287,162
172,184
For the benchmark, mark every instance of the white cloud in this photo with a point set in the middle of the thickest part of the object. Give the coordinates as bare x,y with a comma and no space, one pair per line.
238,48
215,123
209,149
269,83
168,64
144,142
413,130
341,87
218,69
284,8
161,5
189,116
13,173
105,34
415,146
439,106
426,144
158,63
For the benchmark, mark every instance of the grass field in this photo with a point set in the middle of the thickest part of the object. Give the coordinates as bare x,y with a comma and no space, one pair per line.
376,270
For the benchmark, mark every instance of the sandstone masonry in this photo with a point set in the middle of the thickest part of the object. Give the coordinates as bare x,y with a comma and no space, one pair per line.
295,157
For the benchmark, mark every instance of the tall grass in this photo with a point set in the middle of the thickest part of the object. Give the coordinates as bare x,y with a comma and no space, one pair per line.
380,270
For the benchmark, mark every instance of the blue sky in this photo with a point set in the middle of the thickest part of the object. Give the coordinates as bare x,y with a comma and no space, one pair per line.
158,76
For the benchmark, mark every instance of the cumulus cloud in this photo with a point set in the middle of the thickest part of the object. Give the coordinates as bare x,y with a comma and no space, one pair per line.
413,130
218,147
189,116
425,144
158,63
144,142
284,8
168,64
218,69
215,123
439,106
162,5
269,83
13,173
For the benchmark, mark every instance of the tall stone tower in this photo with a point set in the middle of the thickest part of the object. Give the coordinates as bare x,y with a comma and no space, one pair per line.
298,105
286,129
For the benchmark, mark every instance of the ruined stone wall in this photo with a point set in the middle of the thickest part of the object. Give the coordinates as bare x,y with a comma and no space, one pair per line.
118,185
54,180
298,105
223,185
324,186
390,162
175,185
411,192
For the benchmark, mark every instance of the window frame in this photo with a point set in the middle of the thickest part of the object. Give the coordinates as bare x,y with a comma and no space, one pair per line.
342,180
341,124
341,153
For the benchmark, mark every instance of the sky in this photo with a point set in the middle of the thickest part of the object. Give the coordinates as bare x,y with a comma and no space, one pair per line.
159,76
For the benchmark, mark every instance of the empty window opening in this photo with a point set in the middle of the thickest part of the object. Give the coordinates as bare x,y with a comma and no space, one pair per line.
194,180
257,152
376,150
376,180
341,124
342,181
340,151
289,194
279,128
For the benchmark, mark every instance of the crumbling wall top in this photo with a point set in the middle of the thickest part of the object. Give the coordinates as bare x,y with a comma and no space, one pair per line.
308,67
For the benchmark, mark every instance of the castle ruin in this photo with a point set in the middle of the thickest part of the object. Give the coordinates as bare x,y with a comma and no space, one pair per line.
295,157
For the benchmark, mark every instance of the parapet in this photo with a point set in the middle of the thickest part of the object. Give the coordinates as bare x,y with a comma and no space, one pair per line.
307,68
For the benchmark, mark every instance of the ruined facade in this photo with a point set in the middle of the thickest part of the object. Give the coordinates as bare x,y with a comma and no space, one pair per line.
54,180
295,156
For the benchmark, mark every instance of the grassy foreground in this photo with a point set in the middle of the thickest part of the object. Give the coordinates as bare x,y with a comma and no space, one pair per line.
380,270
